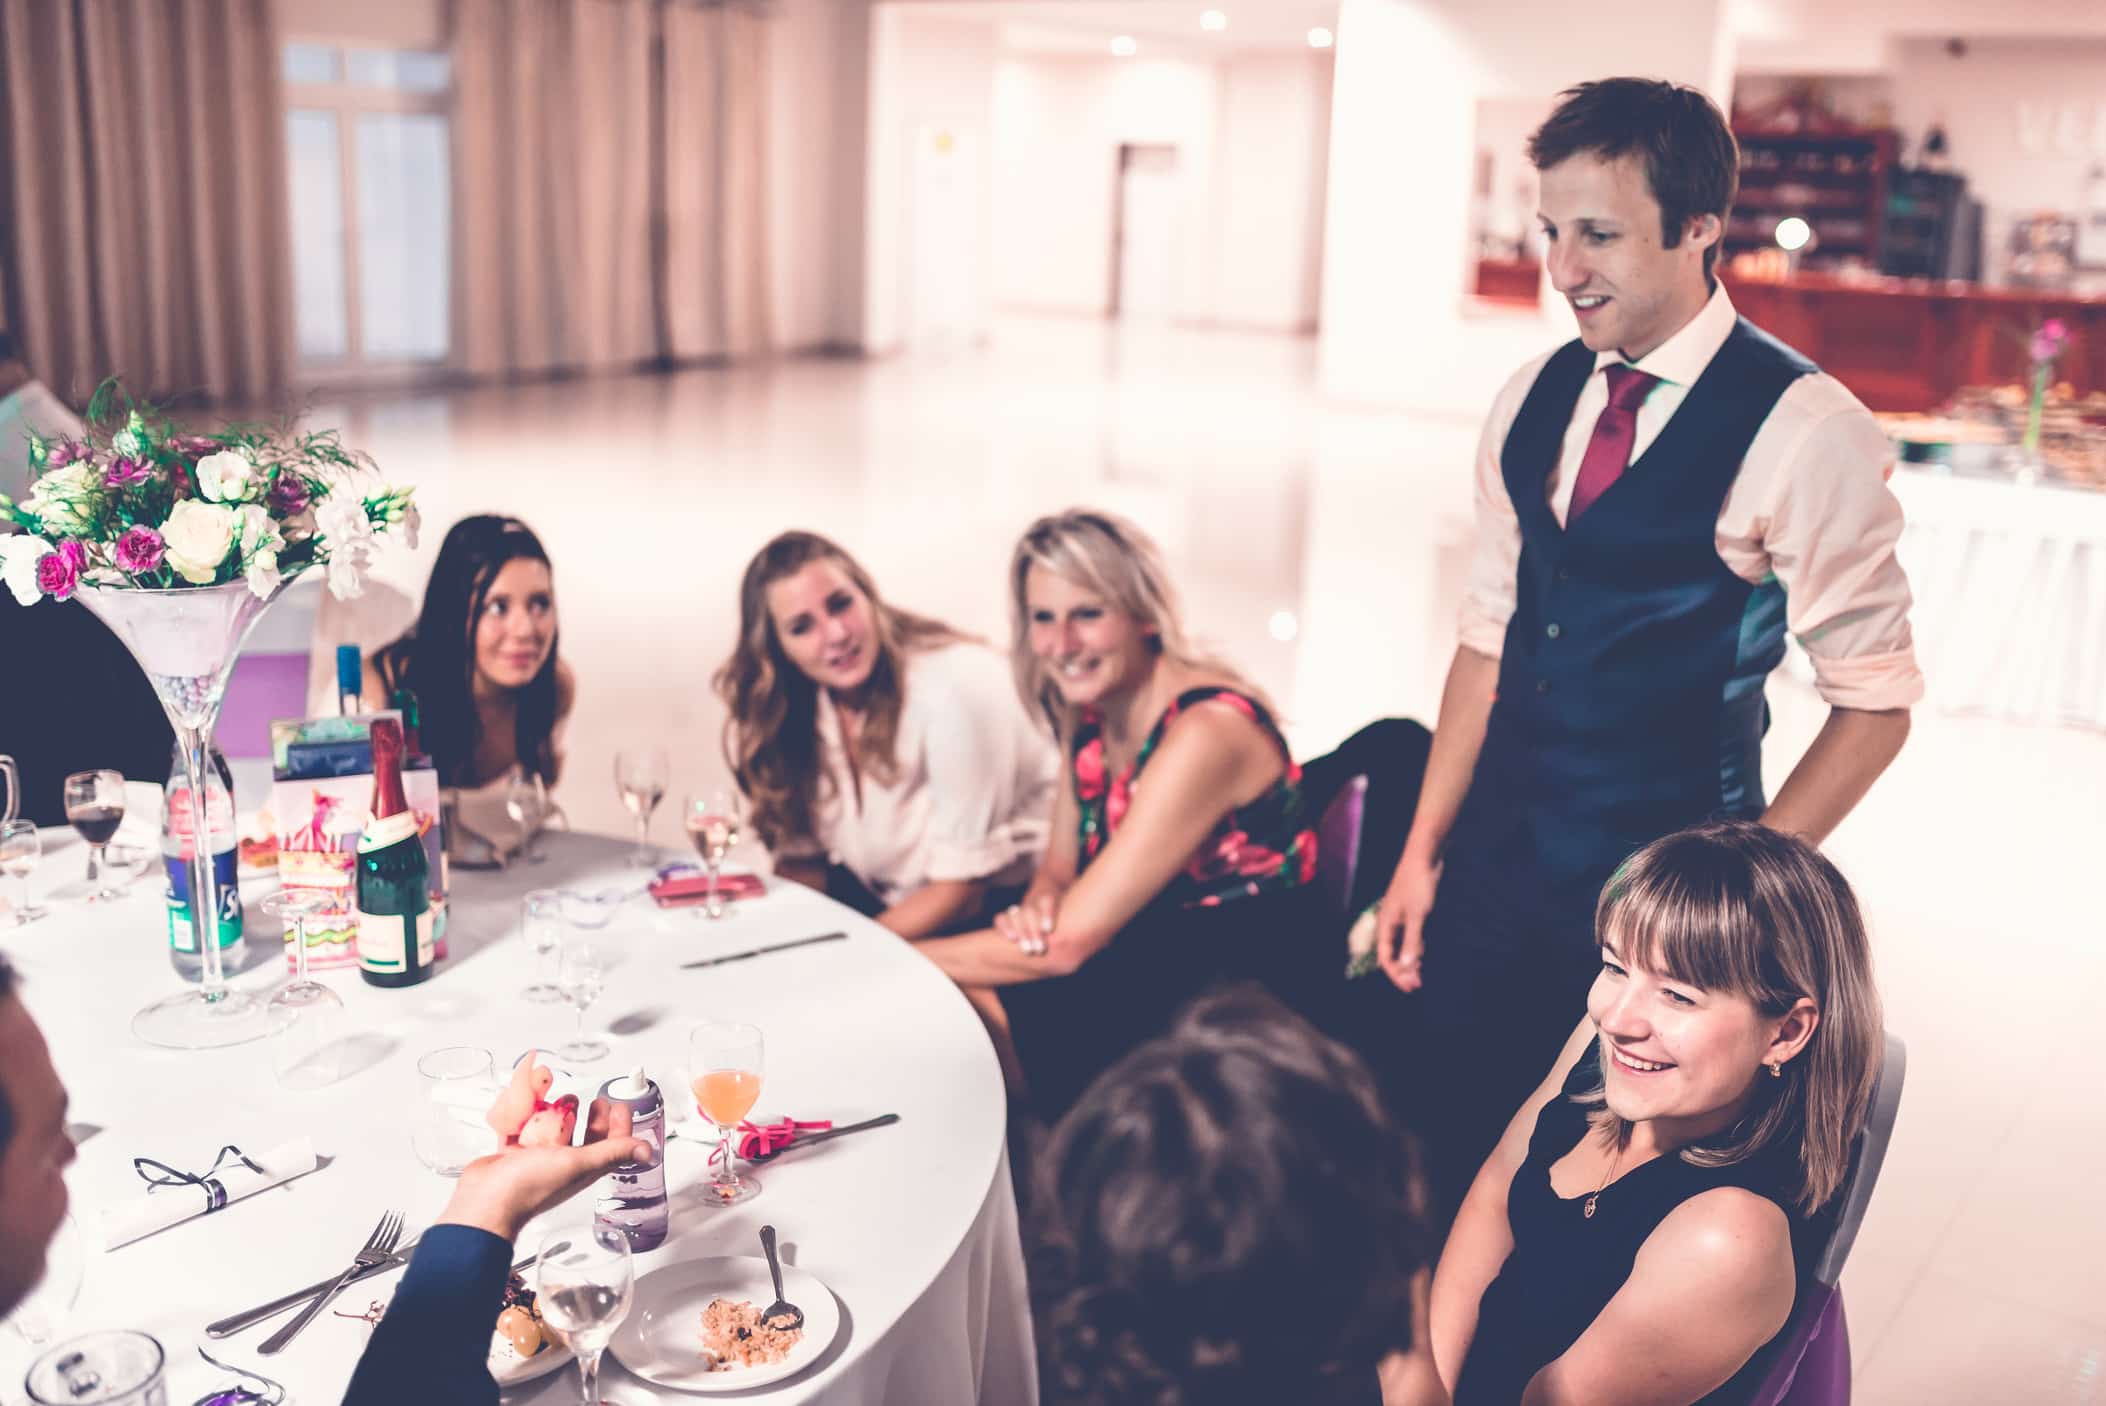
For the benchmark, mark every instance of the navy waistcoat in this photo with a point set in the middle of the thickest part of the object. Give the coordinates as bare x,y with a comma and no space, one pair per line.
1631,684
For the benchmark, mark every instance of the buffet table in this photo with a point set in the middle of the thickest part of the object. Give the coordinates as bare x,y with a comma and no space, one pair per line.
913,1227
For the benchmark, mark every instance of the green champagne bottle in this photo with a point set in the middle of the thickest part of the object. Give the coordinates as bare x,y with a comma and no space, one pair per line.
393,900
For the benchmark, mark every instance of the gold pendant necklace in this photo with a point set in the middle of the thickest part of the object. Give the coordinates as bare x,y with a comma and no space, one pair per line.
1587,1211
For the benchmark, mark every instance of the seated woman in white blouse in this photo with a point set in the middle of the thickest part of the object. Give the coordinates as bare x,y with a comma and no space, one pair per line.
880,752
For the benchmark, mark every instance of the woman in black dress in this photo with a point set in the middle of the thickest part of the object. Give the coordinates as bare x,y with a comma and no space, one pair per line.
1643,1229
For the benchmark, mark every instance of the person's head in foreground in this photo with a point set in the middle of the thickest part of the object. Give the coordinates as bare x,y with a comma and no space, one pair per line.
34,1148
1735,1005
1637,179
1229,1216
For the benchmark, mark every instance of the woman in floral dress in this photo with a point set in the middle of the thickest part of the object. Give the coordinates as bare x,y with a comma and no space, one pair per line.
1180,853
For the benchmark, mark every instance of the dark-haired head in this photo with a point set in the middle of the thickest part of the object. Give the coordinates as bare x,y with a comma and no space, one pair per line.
1227,1215
1678,136
488,624
34,1147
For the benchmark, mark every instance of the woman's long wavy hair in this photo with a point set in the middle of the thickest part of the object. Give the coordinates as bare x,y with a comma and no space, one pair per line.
1733,906
1107,555
771,738
1227,1215
436,660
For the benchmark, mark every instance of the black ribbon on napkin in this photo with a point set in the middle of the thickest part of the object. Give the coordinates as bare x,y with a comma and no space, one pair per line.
159,1174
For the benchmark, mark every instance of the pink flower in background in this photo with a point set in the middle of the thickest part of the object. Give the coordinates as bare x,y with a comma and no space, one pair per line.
2051,340
139,550
194,446
64,453
58,571
125,473
289,495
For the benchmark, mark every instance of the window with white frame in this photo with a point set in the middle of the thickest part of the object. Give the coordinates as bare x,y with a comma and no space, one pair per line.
368,139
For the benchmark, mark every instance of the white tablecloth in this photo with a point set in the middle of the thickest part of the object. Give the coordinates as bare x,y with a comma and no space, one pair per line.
2010,586
914,1227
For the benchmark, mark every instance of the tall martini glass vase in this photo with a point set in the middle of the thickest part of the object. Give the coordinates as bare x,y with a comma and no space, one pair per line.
186,641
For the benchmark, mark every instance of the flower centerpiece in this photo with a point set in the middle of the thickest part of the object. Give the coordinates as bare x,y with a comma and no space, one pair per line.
179,542
2045,347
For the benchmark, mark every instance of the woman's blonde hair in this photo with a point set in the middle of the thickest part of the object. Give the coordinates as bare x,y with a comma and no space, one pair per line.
1111,557
1733,906
771,738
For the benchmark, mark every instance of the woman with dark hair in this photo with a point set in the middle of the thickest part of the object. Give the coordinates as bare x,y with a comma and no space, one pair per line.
1641,1232
492,695
1228,1215
883,753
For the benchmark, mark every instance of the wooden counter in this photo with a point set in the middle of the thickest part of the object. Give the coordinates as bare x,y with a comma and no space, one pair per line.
1908,344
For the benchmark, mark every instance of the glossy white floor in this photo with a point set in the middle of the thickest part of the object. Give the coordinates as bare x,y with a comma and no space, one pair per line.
1323,549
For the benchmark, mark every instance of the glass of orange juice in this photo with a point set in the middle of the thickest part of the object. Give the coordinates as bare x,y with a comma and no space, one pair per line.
725,1060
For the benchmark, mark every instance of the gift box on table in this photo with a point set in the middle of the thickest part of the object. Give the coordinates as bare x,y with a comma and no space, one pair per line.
321,805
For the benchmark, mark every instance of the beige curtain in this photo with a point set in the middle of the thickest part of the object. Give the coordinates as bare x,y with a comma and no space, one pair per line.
143,195
552,193
609,196
716,265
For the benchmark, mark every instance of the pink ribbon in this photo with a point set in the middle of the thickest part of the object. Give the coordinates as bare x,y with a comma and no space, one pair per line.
756,1141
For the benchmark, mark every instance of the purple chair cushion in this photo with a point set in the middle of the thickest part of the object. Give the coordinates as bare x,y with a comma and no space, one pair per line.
1813,1362
1338,842
262,687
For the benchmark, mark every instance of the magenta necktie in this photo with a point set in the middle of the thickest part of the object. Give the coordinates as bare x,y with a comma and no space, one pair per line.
1609,451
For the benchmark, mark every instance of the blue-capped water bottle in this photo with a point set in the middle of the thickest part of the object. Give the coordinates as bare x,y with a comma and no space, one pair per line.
633,1199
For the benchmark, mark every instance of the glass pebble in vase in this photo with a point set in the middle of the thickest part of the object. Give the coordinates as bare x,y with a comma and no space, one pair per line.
185,641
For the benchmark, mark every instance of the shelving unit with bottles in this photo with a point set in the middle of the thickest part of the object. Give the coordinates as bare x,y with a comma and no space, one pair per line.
1835,180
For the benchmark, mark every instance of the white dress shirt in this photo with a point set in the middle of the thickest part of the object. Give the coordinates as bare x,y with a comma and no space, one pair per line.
1810,508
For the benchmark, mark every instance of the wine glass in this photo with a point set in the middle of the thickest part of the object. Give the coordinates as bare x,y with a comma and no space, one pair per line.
541,921
526,801
713,825
308,1052
95,807
586,1280
641,778
20,847
725,1060
43,1311
581,972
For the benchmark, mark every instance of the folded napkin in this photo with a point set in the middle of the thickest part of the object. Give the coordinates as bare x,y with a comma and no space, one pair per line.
173,1196
678,888
756,1141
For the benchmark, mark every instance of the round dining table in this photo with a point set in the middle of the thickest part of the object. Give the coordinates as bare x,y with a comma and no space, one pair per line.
912,1226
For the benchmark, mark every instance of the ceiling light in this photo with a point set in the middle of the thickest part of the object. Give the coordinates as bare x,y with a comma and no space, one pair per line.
1793,234
1284,626
1123,47
1213,21
1320,38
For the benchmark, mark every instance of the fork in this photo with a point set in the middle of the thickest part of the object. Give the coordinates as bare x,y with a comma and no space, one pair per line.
379,1245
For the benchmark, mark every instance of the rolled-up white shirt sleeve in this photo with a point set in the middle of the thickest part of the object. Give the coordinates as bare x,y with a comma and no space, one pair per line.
1488,598
1831,537
971,753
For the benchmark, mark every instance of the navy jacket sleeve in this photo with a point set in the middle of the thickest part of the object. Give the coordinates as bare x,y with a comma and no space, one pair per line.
434,1342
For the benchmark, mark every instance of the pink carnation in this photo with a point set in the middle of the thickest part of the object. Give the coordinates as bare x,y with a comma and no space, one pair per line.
124,473
65,452
58,570
139,550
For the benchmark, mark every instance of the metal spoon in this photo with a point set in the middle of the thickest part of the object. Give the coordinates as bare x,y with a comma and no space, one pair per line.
781,1307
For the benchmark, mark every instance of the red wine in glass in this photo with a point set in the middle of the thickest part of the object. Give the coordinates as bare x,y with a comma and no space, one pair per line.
95,807
97,824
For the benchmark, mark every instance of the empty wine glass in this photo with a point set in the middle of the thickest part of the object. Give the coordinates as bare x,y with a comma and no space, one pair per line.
526,802
641,776
310,1049
20,847
541,923
712,819
44,1310
582,974
95,807
725,1061
586,1280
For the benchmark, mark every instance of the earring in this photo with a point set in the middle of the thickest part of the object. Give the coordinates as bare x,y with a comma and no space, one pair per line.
1776,1069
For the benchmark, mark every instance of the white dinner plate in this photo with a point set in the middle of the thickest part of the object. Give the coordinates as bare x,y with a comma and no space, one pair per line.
661,1339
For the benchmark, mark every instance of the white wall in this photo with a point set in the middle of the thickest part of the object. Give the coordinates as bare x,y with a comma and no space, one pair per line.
1252,133
817,141
931,80
1398,327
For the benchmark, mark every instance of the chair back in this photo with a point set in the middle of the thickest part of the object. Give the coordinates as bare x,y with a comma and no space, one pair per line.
1338,843
1812,1365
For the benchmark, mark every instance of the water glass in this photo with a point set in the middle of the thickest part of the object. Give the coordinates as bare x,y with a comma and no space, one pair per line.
640,776
526,802
455,1089
541,923
586,1280
43,1311
581,972
20,848
115,1368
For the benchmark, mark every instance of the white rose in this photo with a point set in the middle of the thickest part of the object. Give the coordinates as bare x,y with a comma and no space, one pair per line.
19,556
66,500
198,536
263,574
226,477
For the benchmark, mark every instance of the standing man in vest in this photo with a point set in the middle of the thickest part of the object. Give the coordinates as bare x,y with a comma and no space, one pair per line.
1658,502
